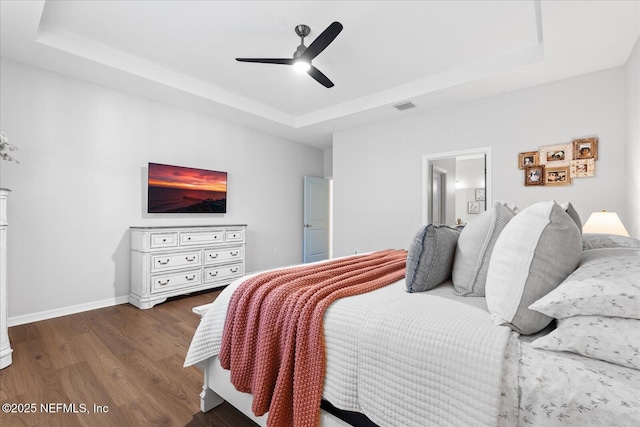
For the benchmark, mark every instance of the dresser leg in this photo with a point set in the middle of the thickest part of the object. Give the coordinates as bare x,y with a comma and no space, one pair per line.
145,303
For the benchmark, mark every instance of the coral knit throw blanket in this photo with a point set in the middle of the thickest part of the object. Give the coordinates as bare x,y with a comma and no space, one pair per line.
273,339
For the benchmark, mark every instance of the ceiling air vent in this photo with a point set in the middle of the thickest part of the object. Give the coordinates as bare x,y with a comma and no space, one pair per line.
405,106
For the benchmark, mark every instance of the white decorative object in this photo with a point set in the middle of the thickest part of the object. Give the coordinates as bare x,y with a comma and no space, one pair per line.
5,146
5,345
170,261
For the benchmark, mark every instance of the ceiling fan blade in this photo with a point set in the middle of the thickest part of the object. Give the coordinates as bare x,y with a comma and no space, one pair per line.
319,77
284,61
322,41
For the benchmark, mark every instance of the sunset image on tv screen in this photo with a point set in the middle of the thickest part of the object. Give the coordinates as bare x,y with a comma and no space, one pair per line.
176,189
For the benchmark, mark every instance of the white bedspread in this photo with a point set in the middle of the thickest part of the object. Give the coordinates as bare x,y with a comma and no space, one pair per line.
402,359
439,362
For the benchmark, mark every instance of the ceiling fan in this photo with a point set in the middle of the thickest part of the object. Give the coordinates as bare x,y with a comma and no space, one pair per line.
303,55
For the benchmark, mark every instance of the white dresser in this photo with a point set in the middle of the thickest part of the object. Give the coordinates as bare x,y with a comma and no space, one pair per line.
5,345
170,261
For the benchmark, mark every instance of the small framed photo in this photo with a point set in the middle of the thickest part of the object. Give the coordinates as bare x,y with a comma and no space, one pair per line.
480,194
585,148
534,175
527,159
557,176
473,207
583,168
556,155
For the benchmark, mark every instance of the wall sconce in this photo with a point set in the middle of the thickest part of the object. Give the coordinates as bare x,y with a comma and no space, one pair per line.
605,223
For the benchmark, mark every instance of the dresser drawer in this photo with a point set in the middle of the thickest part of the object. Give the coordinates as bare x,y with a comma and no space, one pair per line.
234,236
212,274
167,261
201,238
217,256
164,240
162,262
171,281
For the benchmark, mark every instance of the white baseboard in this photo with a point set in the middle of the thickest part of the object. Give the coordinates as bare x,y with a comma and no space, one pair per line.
64,311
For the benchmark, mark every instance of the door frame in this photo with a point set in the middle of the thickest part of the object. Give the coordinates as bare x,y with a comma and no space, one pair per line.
426,176
443,192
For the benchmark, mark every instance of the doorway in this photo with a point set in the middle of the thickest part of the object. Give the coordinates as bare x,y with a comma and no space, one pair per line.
317,219
438,195
447,161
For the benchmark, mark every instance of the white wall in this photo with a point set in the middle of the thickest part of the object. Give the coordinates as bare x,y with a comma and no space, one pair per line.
328,162
82,183
377,168
632,164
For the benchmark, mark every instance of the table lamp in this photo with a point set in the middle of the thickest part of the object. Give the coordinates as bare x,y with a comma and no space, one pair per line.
605,223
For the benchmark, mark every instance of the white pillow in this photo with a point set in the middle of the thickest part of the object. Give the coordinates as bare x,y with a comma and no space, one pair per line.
474,249
612,339
535,252
607,283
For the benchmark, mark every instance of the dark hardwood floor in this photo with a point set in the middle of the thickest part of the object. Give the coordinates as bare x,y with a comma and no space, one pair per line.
126,361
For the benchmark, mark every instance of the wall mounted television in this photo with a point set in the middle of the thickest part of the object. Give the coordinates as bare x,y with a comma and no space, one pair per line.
177,189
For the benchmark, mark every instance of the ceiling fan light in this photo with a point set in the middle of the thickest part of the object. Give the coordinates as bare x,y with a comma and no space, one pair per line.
301,66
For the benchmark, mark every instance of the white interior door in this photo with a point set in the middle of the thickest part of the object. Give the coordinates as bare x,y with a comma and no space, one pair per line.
316,219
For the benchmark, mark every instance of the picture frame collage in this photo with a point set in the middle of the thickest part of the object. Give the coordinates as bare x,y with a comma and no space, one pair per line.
558,165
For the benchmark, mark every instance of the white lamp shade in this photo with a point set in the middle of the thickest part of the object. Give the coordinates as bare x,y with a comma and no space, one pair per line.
605,223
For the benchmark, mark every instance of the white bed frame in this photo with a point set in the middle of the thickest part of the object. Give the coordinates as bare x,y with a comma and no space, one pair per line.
217,388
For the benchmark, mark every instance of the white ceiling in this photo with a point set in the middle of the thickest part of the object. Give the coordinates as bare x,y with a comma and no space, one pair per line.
434,53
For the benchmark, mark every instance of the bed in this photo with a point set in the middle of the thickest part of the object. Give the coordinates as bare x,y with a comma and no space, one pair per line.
401,355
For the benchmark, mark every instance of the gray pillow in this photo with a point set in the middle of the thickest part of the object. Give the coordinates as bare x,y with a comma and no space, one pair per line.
474,249
430,257
536,251
571,211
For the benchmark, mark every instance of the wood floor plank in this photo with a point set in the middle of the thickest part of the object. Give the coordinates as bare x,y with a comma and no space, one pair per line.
144,412
139,328
24,333
43,386
123,358
12,385
83,387
167,389
111,336
115,376
58,345
192,375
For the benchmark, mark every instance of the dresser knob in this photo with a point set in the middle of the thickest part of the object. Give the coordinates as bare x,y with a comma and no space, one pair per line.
190,278
213,274
213,256
163,263
162,284
234,270
234,253
192,258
